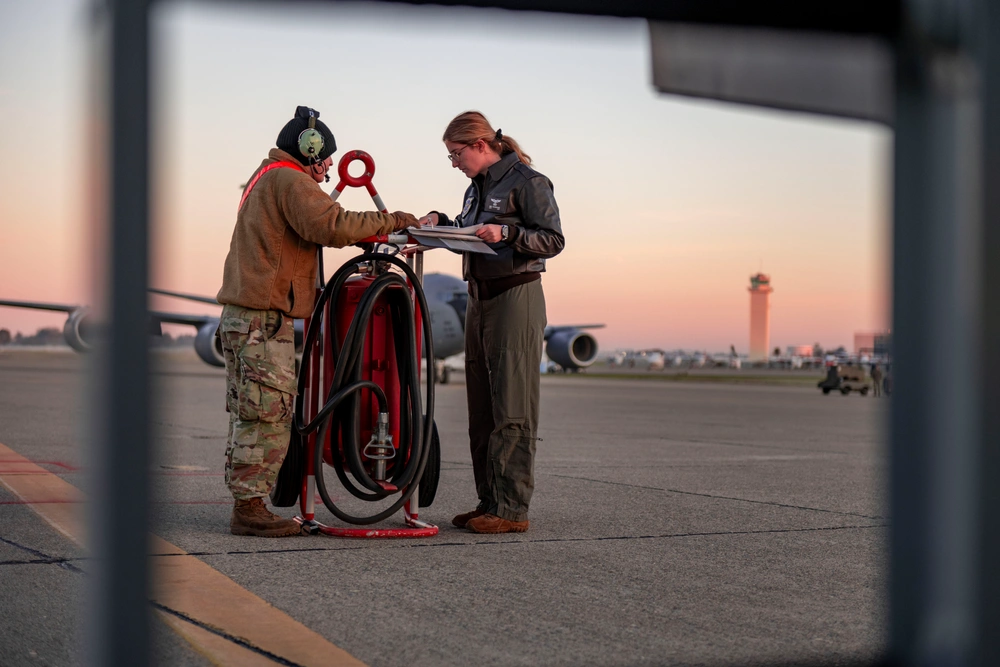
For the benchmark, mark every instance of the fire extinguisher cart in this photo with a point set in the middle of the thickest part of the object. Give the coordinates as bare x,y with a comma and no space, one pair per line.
359,409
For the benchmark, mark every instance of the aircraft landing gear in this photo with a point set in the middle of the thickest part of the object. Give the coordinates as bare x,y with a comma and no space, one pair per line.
441,371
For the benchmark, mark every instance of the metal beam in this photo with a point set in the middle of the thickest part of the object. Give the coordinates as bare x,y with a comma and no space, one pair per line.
935,433
823,73
118,632
939,417
852,17
988,611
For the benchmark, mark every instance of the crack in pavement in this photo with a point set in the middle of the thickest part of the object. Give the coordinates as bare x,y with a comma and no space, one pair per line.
547,540
725,443
65,563
44,559
225,635
715,497
40,557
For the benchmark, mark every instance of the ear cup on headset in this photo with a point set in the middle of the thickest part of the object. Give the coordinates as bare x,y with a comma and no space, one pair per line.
311,142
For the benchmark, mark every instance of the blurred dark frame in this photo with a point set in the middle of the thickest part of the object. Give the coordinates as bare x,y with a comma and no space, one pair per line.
945,110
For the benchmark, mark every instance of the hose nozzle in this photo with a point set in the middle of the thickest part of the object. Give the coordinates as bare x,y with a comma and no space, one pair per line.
380,449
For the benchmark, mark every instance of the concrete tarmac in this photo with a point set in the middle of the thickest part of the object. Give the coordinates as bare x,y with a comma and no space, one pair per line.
672,524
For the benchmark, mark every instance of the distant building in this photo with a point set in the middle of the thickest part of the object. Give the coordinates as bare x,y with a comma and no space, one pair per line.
877,343
883,344
760,316
864,343
799,350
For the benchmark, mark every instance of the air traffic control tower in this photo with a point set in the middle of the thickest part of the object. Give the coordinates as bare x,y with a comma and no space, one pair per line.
760,316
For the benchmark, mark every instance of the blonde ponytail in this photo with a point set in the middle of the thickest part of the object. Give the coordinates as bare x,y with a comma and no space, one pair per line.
471,126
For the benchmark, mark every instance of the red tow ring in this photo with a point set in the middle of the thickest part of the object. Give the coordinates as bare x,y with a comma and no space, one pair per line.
362,181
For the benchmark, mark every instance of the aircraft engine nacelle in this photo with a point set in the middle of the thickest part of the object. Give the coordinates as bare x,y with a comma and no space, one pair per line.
79,330
208,346
572,349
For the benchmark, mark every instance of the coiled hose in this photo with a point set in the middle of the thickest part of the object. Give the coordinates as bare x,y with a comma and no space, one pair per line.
416,429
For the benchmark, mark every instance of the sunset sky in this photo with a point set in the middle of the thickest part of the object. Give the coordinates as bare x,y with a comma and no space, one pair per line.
668,204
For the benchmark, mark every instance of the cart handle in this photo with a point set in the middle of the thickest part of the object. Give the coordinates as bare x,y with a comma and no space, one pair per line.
362,181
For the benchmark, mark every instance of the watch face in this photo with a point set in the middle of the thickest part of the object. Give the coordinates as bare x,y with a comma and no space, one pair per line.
504,232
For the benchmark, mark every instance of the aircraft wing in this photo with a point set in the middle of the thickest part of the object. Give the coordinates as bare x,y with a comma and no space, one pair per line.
80,330
40,306
181,318
169,318
197,321
189,297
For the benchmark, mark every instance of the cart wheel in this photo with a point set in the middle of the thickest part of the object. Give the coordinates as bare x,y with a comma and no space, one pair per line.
432,471
826,390
864,391
845,390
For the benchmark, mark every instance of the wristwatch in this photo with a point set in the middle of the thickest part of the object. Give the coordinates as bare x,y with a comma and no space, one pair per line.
504,232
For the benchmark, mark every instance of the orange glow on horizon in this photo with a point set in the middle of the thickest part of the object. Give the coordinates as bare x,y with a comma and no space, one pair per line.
667,204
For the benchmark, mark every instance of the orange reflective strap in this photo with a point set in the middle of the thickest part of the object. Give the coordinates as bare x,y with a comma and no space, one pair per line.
253,182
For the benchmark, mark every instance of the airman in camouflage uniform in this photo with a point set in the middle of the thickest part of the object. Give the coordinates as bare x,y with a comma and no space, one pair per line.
269,279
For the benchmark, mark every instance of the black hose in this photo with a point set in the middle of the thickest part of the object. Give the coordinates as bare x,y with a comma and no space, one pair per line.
346,414
415,427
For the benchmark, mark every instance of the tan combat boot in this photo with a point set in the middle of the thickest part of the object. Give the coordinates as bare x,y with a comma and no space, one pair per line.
251,517
462,519
491,523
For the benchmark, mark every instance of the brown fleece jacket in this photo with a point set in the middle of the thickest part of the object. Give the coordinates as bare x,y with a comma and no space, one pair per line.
272,257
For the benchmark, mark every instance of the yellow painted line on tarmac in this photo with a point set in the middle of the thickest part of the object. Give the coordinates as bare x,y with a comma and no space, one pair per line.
216,649
219,609
55,499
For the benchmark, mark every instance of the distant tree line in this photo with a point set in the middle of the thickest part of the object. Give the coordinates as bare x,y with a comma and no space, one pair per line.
44,336
54,336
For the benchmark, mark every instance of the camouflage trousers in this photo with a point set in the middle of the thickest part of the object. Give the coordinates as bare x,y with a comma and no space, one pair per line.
259,347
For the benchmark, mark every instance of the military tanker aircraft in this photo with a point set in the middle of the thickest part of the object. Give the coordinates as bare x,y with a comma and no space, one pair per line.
447,297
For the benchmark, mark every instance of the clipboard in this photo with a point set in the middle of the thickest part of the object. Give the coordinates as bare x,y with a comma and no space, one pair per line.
459,239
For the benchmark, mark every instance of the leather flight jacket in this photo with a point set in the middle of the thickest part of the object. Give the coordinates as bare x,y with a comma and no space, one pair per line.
510,193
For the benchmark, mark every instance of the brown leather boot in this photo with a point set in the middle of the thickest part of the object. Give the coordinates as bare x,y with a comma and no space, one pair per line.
251,517
491,523
462,519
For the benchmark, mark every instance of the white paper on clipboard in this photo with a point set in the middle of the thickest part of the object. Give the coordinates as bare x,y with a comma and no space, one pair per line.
460,239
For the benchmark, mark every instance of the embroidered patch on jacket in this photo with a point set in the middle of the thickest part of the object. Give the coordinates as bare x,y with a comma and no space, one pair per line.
467,207
494,204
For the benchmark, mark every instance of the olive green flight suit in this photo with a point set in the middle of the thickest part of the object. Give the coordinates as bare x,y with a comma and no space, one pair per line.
503,352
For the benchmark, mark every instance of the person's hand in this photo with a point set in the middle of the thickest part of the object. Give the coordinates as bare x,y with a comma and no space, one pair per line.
403,220
489,233
429,220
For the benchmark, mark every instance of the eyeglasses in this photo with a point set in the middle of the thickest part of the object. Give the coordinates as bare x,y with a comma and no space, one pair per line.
453,156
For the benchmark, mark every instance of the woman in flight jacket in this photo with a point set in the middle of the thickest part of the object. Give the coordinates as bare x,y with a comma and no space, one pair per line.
505,320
